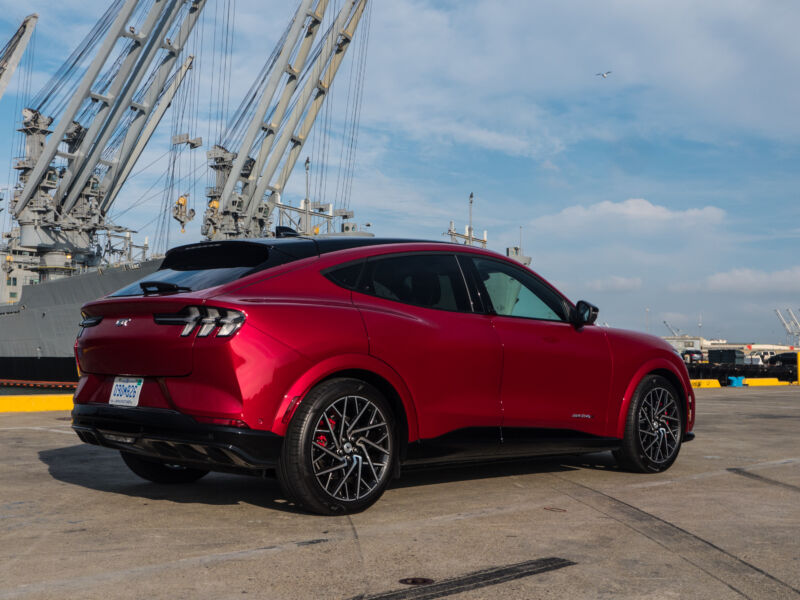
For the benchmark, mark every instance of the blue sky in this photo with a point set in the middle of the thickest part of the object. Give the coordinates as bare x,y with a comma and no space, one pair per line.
672,185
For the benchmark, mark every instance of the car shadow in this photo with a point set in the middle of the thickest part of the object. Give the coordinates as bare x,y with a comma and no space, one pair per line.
103,470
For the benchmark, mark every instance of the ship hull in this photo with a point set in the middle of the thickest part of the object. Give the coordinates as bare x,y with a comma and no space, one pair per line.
37,334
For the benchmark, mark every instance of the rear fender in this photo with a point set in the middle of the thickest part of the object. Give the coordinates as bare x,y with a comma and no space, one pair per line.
657,364
339,364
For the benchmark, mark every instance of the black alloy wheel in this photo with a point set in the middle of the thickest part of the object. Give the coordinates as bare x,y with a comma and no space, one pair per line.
654,427
340,449
159,471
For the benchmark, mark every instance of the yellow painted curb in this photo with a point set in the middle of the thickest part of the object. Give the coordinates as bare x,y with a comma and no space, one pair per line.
35,402
757,381
705,383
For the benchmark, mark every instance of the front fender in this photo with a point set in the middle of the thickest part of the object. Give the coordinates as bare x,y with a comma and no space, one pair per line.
656,364
338,364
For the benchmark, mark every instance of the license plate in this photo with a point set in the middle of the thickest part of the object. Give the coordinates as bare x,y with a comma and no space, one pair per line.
126,391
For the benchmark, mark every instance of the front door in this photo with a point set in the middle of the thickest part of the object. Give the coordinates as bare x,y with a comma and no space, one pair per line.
554,374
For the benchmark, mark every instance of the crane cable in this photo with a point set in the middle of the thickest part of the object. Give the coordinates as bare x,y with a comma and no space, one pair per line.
64,82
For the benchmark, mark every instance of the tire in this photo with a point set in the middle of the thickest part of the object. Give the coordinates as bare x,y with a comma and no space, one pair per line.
340,449
158,471
653,429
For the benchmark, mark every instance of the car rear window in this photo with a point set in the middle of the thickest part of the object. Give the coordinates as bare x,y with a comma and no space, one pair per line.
202,266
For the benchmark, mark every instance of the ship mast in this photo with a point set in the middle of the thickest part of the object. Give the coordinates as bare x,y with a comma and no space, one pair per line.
100,134
11,54
278,129
468,238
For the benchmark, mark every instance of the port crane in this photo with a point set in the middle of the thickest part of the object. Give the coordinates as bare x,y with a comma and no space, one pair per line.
78,157
251,176
672,330
791,325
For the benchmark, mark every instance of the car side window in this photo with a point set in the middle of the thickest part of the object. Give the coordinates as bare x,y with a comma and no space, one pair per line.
345,276
428,280
515,293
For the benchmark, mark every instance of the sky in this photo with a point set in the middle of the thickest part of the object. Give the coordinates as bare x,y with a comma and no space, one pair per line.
668,191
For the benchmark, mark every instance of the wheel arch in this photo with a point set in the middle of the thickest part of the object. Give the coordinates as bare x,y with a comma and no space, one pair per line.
391,394
654,367
366,368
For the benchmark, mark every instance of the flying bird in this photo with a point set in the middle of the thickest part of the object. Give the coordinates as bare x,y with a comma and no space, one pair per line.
603,75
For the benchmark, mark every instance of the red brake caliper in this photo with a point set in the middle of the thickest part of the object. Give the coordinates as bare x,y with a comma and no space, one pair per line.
322,439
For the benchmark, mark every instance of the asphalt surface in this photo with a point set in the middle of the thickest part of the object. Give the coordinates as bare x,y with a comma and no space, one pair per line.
723,522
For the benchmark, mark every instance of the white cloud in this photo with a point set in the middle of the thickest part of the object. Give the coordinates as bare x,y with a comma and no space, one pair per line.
635,215
754,281
615,283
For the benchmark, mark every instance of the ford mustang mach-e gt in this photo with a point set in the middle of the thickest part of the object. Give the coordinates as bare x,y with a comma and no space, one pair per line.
333,362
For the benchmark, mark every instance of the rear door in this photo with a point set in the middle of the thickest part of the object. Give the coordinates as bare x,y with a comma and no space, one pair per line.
420,321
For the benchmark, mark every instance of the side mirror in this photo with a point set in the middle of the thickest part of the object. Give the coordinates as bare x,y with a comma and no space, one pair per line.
585,313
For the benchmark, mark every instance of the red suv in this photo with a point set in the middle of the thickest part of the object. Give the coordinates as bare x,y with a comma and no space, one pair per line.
335,361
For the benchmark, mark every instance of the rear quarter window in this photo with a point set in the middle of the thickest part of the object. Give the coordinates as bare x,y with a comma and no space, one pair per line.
346,276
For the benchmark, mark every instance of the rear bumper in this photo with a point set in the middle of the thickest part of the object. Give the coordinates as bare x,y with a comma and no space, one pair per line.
176,438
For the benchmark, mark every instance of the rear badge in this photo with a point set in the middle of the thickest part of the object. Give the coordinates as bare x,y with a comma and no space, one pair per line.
122,322
581,416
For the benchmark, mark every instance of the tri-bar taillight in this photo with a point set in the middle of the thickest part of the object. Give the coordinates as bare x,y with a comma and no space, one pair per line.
225,320
88,321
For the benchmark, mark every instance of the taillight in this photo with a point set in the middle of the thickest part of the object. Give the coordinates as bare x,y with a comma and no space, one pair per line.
88,321
225,320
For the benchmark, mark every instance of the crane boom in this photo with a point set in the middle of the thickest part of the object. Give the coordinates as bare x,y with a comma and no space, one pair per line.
266,98
14,50
783,322
320,81
141,139
792,326
154,44
34,178
236,207
272,127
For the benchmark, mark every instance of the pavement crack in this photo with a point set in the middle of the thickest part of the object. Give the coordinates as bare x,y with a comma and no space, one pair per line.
762,479
473,581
